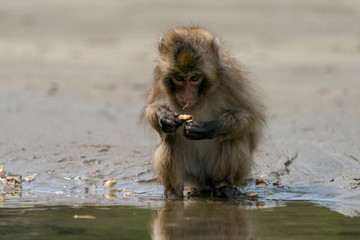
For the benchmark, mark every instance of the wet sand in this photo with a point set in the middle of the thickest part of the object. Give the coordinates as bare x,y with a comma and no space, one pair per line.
74,75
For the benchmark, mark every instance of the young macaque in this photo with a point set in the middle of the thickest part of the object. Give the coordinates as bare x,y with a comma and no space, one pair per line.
215,150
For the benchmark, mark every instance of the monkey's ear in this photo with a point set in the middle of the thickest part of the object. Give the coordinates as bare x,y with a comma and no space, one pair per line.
216,46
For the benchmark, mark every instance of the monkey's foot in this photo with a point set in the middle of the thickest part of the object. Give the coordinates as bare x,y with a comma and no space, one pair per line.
191,193
227,192
174,196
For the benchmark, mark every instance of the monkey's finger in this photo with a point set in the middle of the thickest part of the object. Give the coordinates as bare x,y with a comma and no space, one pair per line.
195,133
169,119
195,124
174,122
169,129
177,121
195,136
196,130
201,130
171,122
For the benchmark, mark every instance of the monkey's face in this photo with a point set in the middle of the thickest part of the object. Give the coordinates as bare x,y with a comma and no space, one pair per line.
187,87
187,66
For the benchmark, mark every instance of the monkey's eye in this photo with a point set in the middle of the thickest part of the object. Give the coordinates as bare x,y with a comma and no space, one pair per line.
195,78
178,78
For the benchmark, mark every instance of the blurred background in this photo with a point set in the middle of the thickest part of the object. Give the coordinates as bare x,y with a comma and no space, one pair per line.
74,76
87,47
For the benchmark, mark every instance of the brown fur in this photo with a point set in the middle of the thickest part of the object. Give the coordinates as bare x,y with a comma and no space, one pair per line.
227,95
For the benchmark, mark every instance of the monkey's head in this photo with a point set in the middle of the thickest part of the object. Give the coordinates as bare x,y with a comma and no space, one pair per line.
188,64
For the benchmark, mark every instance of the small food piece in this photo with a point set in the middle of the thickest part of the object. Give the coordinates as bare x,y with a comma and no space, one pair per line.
127,193
59,192
2,174
186,118
49,171
261,185
110,196
84,217
30,177
110,183
78,178
253,195
261,182
277,183
13,180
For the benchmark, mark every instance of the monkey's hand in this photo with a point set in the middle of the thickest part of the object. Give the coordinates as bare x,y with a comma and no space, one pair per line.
169,122
198,130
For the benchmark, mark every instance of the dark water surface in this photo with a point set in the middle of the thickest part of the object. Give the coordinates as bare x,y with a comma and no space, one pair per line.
188,219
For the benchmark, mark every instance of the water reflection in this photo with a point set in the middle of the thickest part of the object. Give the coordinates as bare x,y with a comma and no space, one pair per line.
202,220
193,219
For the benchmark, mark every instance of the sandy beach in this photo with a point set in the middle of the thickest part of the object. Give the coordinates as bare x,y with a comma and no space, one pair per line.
74,77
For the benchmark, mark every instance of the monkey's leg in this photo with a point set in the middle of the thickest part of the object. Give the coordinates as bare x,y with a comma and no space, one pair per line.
169,171
174,186
234,166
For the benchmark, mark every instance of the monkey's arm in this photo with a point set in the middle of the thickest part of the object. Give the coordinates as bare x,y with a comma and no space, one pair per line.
229,125
235,124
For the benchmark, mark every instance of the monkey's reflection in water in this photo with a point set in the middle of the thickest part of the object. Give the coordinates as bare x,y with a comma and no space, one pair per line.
201,220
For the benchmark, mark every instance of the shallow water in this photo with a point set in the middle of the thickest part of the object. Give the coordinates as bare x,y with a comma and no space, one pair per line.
42,211
189,219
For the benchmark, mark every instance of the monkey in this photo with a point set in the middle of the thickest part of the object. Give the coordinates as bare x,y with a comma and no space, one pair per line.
194,75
